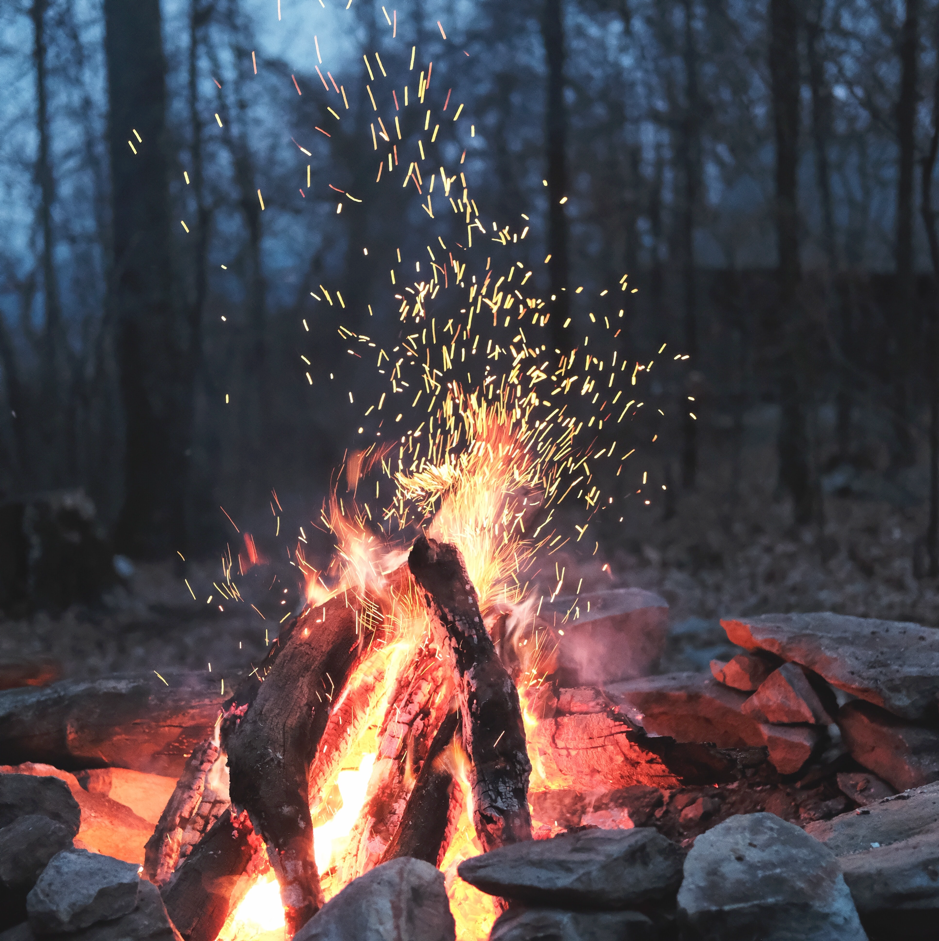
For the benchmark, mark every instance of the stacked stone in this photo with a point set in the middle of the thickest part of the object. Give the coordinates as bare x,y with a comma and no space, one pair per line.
49,889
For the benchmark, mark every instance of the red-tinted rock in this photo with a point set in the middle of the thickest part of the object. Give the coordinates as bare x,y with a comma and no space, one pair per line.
863,787
786,697
893,664
688,707
903,755
745,672
790,746
607,635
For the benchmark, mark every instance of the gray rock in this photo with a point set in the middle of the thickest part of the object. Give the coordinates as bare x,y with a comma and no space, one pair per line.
147,922
786,697
22,795
893,664
756,877
78,889
790,746
745,672
863,787
890,856
26,846
622,635
688,707
903,875
888,821
402,900
547,924
598,869
903,755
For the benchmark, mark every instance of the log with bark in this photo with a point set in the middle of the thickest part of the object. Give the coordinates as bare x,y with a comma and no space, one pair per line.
162,853
493,732
429,817
416,707
215,877
272,746
136,721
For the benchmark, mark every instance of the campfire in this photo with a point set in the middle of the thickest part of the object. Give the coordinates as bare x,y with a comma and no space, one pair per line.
384,721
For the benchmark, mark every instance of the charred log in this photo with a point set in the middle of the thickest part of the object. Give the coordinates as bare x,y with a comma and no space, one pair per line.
271,748
428,815
493,733
134,721
214,879
162,853
416,708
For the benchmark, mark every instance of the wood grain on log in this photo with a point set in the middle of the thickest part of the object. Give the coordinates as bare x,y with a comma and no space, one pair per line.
427,817
271,748
163,847
493,732
134,721
416,708
214,878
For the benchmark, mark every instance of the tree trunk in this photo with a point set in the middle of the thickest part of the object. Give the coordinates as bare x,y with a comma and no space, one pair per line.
821,129
932,370
552,31
795,466
690,150
53,348
904,450
148,343
197,17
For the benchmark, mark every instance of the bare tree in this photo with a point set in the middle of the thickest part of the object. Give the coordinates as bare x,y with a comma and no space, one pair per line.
904,451
929,214
689,162
54,360
552,30
795,466
148,336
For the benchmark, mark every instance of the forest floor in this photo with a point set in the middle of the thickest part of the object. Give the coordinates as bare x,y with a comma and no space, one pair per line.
728,548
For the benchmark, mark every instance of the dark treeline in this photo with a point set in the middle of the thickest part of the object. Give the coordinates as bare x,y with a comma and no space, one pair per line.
763,171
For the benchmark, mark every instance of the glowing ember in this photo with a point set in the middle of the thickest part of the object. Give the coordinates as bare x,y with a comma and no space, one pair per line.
260,913
330,838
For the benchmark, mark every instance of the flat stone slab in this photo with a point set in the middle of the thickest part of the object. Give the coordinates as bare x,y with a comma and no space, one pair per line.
78,889
402,900
745,672
786,697
759,878
688,707
888,821
904,755
890,856
594,869
893,664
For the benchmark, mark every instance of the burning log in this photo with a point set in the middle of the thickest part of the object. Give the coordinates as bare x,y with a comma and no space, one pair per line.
136,721
417,707
162,852
493,733
272,747
430,808
214,878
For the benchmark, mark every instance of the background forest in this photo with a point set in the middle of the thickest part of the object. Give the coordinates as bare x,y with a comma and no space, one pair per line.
173,219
